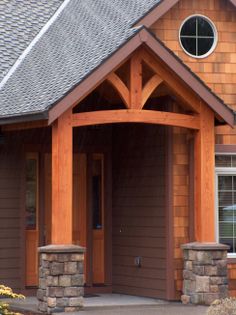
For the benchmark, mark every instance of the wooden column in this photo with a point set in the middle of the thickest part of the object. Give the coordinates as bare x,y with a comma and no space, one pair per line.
62,137
204,191
136,81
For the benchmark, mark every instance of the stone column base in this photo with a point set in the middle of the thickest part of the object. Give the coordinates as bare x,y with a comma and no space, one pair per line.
205,272
61,278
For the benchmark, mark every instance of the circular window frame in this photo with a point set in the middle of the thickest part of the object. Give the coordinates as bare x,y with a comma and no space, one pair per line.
214,32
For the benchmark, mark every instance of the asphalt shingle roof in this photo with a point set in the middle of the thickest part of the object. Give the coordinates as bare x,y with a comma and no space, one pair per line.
85,34
20,21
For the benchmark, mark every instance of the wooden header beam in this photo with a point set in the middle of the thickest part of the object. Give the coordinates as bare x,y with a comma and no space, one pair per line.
135,116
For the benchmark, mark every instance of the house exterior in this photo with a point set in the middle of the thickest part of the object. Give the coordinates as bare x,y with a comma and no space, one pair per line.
117,135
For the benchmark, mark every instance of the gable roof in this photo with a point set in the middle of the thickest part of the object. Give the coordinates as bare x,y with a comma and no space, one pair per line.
83,37
19,24
85,33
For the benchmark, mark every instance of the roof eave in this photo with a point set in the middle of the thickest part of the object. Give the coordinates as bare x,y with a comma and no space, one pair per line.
6,120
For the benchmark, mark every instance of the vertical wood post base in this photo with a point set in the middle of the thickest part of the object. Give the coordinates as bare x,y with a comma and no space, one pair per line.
205,273
61,278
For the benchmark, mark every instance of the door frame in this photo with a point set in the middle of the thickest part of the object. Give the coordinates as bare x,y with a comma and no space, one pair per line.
107,221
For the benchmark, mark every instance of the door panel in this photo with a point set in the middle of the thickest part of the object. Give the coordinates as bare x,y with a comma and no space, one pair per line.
32,258
98,217
98,257
31,216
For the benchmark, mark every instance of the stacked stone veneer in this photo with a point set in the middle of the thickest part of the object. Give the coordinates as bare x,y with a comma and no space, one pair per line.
61,278
205,272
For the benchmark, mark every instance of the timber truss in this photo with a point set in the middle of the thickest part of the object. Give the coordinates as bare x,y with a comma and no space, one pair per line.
135,96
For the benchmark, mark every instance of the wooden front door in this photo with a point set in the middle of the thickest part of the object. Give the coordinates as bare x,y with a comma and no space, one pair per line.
97,211
31,218
88,213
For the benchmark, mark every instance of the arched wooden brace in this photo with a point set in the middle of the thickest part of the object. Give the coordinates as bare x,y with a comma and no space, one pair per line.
185,95
136,116
132,98
120,87
149,88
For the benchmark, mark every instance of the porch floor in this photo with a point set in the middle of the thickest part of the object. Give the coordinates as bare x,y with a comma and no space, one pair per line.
92,302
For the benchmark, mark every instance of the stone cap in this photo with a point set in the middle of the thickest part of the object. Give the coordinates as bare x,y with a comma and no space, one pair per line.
60,249
205,246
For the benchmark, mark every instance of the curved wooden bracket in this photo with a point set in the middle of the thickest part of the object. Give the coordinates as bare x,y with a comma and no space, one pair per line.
181,91
136,116
149,88
120,87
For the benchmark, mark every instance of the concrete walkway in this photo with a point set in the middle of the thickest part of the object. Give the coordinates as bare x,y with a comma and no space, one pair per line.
107,304
168,309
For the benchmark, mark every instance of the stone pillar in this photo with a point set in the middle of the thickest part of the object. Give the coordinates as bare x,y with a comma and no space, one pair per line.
205,273
61,278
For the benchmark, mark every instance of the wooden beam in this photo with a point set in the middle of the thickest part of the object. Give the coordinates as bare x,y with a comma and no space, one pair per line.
149,88
181,91
25,125
120,87
225,130
204,168
62,180
135,116
136,81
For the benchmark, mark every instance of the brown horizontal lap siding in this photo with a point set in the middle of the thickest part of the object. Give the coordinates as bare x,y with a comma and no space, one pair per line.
181,202
139,210
10,236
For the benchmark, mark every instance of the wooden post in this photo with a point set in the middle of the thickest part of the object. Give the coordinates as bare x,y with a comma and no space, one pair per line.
62,137
136,82
204,168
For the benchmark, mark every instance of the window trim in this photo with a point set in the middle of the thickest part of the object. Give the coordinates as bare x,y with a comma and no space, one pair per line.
214,31
221,171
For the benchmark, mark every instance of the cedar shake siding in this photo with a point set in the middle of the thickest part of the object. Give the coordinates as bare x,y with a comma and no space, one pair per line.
139,216
218,69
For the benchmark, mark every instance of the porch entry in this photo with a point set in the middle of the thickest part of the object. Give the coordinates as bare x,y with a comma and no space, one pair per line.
88,213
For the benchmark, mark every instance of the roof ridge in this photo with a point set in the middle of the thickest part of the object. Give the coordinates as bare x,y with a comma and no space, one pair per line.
33,42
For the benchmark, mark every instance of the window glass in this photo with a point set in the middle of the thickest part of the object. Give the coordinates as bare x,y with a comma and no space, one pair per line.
190,45
223,160
204,45
204,27
198,36
227,210
226,200
97,182
189,28
31,194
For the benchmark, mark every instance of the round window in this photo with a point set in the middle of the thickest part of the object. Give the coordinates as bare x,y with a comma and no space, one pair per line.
198,36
